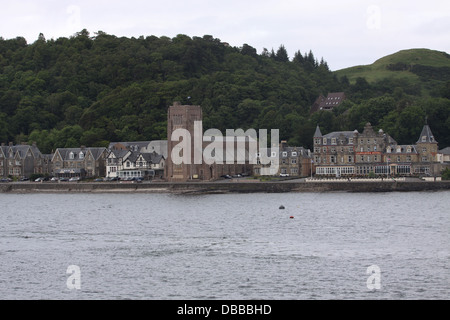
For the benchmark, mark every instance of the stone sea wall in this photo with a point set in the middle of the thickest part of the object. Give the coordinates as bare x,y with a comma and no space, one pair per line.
225,187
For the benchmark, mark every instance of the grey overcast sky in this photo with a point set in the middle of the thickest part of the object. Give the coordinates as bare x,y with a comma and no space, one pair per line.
345,33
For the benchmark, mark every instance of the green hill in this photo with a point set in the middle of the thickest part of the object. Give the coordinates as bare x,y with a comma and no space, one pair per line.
409,65
93,89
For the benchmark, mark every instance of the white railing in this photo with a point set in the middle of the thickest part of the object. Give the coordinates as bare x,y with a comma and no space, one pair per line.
355,179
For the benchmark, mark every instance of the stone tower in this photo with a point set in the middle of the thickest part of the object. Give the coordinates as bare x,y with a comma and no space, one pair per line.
182,117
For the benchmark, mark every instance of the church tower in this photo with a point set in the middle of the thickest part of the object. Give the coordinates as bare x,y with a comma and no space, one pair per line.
182,117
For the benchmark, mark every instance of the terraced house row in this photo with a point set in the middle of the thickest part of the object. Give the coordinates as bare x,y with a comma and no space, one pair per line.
22,161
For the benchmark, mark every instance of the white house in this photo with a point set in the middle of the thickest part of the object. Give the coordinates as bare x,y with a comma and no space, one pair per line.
126,164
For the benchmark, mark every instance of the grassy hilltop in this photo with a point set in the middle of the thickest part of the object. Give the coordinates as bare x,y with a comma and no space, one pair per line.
413,65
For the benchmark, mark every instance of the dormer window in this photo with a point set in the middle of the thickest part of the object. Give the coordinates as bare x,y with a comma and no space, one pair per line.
399,149
294,154
324,140
71,156
424,139
388,150
81,155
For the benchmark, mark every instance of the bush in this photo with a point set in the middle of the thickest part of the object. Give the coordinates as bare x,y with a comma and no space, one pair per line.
446,174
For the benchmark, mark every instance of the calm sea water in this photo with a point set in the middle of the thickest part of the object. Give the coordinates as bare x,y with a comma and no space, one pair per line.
236,246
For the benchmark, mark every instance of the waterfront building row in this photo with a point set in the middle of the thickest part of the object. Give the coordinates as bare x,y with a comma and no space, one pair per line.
350,153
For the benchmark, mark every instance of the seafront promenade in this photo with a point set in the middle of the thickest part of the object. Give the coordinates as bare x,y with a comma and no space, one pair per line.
229,186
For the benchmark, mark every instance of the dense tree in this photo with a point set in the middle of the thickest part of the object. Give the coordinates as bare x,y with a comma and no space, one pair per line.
91,89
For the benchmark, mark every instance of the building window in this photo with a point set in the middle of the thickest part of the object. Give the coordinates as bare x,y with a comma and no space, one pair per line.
294,154
71,155
350,140
403,169
333,140
324,140
284,154
293,161
81,155
424,149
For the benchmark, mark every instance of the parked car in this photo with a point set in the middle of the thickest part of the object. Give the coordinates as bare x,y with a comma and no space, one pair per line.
99,180
25,179
54,179
63,179
40,179
5,180
74,179
226,176
284,175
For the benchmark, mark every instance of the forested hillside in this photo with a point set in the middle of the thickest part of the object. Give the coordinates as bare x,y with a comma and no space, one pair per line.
92,89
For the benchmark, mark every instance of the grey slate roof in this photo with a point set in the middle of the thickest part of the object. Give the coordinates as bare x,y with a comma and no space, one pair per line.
131,145
65,152
318,133
426,132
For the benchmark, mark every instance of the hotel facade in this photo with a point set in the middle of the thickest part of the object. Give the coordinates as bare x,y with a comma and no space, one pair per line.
350,153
